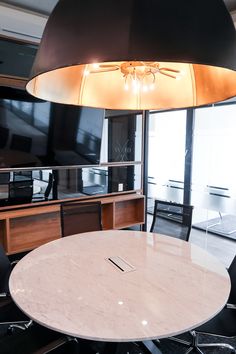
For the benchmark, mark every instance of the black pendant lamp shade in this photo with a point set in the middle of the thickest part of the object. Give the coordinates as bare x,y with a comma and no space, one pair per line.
136,54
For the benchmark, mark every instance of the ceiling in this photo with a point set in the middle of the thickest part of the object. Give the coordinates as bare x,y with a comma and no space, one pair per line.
45,6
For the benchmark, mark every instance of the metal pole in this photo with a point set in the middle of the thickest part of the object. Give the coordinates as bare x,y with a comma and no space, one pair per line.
188,156
145,162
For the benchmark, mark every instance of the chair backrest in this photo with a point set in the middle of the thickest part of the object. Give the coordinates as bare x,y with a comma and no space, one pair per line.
232,274
21,143
20,192
80,217
5,270
172,219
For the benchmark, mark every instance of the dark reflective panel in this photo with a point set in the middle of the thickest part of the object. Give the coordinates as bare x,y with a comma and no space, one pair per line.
43,134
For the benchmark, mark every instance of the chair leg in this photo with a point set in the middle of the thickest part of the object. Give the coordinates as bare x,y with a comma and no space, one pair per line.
218,345
151,346
192,345
195,345
20,325
181,341
189,350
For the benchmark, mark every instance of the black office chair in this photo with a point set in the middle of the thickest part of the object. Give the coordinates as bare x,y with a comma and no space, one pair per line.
21,143
223,324
9,312
20,192
38,340
172,219
80,217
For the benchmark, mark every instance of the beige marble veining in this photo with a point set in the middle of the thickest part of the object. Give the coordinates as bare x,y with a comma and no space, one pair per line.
68,285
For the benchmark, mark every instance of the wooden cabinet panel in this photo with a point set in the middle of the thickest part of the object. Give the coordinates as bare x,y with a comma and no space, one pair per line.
24,228
107,216
29,232
3,233
128,213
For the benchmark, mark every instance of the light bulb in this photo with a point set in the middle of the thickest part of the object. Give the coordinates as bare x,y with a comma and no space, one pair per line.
152,86
96,66
136,84
180,75
145,88
126,87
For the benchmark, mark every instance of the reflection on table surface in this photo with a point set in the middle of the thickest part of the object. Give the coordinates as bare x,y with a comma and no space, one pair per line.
153,286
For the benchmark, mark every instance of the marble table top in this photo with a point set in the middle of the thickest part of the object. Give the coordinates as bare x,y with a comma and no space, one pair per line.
120,285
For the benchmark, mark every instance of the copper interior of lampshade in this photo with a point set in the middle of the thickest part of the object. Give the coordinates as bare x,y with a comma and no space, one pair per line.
195,85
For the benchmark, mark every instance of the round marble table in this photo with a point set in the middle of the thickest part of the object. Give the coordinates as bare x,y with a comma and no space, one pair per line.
120,285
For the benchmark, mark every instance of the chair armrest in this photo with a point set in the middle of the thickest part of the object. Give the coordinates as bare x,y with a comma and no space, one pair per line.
54,345
231,306
13,263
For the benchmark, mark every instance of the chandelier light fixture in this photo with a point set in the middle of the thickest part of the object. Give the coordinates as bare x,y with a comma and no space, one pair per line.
137,55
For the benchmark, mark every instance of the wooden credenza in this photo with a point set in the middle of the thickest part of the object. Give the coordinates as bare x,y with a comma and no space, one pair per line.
25,227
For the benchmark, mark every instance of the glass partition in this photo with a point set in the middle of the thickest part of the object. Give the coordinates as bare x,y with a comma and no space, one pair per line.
166,156
213,188
214,171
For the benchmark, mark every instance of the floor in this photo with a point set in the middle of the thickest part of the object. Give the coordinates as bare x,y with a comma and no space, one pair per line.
221,247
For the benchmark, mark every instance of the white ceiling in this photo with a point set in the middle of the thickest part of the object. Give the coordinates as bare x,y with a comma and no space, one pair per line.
45,6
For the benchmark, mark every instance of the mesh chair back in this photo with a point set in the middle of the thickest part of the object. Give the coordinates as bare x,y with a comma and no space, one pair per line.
80,217
172,219
5,269
20,192
232,274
